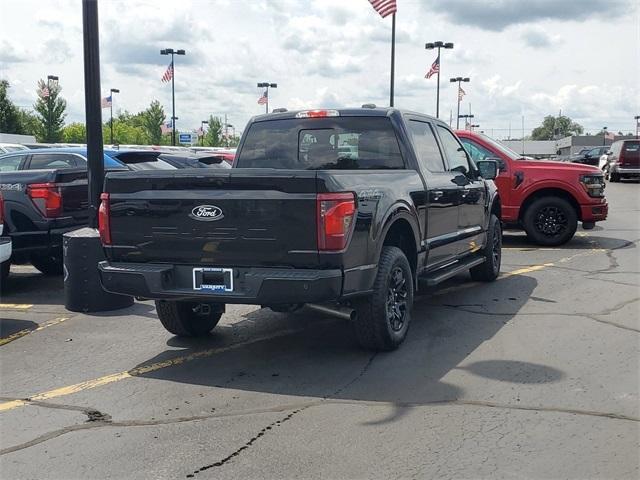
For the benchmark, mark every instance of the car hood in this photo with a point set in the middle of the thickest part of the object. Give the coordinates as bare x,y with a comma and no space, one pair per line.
554,166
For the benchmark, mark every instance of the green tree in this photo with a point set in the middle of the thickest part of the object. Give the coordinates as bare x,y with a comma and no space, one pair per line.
213,137
28,122
152,119
74,133
556,127
9,113
50,109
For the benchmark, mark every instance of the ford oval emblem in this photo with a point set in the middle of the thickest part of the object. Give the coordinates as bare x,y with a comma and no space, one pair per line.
206,213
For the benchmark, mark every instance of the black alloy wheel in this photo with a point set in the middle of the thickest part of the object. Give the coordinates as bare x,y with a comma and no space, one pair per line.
551,221
397,300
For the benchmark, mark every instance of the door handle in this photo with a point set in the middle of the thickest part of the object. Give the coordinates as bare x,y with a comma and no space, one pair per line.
437,195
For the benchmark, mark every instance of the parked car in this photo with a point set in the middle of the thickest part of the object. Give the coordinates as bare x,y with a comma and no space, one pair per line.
11,147
545,198
349,234
5,248
589,156
45,196
623,160
200,160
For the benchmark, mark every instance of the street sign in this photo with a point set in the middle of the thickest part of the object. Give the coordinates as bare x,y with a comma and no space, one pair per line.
187,138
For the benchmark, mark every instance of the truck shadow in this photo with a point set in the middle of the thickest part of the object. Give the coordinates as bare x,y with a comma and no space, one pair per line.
581,241
323,361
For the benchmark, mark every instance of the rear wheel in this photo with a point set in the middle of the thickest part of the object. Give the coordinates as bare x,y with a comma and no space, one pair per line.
490,269
383,318
189,319
49,264
550,221
4,273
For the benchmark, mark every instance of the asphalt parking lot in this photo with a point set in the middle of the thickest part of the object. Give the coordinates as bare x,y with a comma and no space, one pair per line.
533,376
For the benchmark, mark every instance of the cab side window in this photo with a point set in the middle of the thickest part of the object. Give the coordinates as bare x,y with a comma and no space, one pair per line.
478,152
456,154
11,163
426,145
52,160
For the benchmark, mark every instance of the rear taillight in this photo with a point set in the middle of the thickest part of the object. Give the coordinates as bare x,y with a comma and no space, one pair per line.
335,220
47,197
1,209
104,219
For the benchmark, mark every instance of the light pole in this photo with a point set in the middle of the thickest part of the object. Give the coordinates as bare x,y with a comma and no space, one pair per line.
459,80
172,52
51,80
432,46
466,117
266,92
637,119
227,126
112,91
604,136
202,124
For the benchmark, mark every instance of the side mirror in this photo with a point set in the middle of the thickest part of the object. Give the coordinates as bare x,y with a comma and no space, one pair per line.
488,169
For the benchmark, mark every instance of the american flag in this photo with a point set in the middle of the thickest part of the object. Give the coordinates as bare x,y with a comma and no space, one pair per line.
44,92
166,127
461,93
168,75
264,98
435,68
384,7
106,102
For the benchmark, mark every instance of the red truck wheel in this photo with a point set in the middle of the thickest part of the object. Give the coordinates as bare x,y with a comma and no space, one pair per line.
550,221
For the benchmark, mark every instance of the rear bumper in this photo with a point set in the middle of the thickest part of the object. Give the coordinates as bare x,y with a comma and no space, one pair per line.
253,286
625,171
5,249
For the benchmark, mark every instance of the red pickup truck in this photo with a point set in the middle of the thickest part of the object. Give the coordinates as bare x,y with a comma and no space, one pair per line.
545,198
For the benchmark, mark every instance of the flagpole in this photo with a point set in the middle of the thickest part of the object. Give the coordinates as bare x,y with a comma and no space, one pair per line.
173,101
393,58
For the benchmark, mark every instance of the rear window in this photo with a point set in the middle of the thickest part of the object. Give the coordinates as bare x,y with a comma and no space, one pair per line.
631,147
349,143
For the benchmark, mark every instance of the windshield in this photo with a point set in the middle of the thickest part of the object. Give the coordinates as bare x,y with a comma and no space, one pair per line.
502,148
349,143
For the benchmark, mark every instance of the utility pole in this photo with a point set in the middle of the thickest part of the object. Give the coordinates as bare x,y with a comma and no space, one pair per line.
432,46
172,52
112,91
459,80
637,119
266,85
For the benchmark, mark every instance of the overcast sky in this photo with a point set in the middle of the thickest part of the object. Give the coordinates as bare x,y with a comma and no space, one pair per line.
531,58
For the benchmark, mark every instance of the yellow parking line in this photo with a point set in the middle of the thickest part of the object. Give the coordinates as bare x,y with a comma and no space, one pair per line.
22,333
116,377
15,306
522,271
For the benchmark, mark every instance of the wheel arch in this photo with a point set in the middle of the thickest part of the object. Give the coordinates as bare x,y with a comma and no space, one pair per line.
401,231
550,192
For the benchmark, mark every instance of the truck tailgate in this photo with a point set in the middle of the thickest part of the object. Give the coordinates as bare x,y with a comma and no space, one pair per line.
243,217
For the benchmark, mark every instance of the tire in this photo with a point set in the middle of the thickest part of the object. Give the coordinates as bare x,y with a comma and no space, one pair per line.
490,269
187,319
383,318
4,274
49,264
614,177
550,221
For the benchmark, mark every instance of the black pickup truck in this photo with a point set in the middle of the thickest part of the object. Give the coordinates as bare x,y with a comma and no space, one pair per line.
347,211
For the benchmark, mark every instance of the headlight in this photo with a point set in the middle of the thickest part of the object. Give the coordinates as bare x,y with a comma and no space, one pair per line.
593,184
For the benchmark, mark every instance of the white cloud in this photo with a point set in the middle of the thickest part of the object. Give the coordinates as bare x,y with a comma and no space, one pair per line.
335,53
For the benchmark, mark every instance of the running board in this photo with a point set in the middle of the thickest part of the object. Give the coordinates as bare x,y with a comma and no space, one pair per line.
439,276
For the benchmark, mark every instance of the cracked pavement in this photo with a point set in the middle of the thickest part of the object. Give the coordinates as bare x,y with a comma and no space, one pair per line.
533,376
